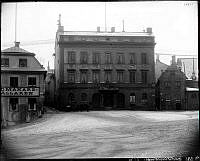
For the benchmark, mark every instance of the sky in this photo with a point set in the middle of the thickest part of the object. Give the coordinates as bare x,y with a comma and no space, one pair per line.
174,24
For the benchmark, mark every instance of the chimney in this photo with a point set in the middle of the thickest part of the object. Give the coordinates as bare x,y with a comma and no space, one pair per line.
60,28
149,30
98,29
112,29
17,44
173,60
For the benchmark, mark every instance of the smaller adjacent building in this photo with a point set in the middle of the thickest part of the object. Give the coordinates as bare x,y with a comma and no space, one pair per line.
50,88
22,86
159,67
170,92
192,98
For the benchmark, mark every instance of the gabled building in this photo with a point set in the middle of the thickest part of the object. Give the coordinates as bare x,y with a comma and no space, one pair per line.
105,70
159,67
171,88
22,86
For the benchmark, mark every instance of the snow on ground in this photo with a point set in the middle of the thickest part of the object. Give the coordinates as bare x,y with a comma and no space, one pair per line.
169,116
59,123
155,115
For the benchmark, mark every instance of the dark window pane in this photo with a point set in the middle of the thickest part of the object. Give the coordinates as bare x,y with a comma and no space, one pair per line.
22,62
144,58
31,81
96,76
84,58
144,77
96,58
108,58
32,103
132,76
120,76
71,76
13,104
13,81
83,77
4,62
71,57
107,76
132,58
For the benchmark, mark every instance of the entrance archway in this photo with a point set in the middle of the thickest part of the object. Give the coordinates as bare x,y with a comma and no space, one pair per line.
71,98
120,100
96,98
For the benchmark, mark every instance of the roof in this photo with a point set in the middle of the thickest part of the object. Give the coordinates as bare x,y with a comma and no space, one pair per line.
192,89
95,33
16,50
4,69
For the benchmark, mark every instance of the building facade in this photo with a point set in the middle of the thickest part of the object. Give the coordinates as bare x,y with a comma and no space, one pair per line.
170,90
22,86
105,70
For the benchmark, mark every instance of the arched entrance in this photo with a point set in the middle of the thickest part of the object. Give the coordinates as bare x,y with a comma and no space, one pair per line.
96,98
120,100
71,98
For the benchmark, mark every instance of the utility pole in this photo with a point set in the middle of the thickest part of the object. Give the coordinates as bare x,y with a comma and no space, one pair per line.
16,22
123,26
105,18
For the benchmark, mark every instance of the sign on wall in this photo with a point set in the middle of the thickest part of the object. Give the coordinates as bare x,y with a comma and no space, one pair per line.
20,91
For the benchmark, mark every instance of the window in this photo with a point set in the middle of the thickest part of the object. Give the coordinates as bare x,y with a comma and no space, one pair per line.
132,98
178,84
31,81
84,58
144,58
71,57
83,97
22,62
32,104
13,104
108,58
71,76
107,76
13,81
96,58
166,84
120,75
132,76
83,77
144,77
144,97
4,62
132,58
120,58
96,76
193,96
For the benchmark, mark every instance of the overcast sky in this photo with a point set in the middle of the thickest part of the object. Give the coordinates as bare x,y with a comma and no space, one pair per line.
174,23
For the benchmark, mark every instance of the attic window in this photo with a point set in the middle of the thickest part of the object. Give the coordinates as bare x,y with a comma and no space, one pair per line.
22,62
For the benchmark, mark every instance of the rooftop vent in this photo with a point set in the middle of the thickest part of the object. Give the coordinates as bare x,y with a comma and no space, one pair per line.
98,29
149,29
17,44
112,29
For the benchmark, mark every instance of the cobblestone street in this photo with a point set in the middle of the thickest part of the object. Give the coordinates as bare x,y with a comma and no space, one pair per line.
102,134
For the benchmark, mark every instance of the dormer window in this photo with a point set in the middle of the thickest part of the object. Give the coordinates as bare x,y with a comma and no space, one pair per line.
22,62
4,62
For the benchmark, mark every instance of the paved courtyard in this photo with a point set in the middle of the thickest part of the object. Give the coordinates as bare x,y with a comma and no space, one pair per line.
103,134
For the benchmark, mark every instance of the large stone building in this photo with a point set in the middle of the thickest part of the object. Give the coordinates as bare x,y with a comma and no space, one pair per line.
22,86
113,70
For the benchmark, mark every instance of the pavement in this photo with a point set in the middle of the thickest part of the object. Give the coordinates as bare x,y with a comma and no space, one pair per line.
105,134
